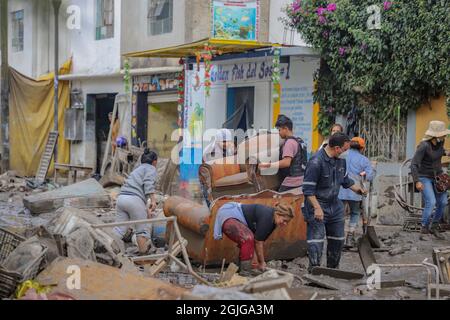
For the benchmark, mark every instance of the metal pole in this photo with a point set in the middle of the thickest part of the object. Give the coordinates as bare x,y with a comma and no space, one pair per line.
4,144
56,7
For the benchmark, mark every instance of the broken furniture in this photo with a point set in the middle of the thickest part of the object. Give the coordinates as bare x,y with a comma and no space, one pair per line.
175,246
263,147
429,268
101,282
76,239
73,171
225,177
197,226
21,261
46,158
85,194
409,199
441,258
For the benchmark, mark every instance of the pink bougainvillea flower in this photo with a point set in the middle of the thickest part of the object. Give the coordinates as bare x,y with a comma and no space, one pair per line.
296,6
322,20
326,34
331,7
342,51
387,5
320,11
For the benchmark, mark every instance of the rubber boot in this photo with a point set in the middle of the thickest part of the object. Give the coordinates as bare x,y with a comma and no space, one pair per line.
246,269
425,230
435,231
350,240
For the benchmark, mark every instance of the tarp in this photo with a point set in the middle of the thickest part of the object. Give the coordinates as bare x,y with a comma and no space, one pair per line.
191,49
31,119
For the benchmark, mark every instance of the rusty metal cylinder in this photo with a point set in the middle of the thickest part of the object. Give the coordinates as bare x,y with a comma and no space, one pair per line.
190,215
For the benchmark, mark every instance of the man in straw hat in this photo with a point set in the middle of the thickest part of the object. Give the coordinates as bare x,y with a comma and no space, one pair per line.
425,166
249,226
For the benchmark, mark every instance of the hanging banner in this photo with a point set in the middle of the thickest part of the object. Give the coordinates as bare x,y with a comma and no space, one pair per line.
237,20
194,113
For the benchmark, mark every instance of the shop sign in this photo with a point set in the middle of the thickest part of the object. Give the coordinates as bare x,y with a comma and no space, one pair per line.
249,71
156,83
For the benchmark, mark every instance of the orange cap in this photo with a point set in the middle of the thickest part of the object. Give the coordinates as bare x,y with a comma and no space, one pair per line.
360,141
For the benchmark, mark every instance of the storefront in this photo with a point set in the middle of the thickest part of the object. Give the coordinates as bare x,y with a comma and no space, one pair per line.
236,89
243,96
155,112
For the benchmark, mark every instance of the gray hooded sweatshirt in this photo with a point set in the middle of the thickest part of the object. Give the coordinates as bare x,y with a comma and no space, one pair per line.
141,182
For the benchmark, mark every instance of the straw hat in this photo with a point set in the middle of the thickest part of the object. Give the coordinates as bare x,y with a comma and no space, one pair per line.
436,129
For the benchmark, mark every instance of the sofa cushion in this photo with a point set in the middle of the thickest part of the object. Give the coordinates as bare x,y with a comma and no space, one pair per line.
233,180
220,171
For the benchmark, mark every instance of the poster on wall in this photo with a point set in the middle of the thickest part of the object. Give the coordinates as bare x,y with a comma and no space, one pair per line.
235,20
297,103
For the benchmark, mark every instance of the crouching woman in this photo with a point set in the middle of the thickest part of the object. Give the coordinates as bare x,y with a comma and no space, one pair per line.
249,226
138,190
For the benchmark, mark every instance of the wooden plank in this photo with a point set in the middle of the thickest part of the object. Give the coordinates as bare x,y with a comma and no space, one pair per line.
335,273
267,285
231,271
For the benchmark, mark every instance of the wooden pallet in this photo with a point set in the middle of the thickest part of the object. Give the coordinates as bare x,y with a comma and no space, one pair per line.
46,158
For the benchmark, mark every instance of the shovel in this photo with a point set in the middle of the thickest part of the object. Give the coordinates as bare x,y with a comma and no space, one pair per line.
368,230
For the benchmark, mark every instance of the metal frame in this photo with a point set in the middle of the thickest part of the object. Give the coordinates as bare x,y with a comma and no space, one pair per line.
413,213
427,266
169,254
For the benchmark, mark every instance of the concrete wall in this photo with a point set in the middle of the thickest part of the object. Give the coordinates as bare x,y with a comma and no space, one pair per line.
192,22
83,153
23,60
277,32
91,56
435,110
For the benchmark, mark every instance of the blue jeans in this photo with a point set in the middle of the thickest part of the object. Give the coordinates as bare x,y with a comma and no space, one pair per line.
355,213
432,199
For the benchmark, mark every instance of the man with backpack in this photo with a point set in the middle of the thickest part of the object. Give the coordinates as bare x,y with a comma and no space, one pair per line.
293,156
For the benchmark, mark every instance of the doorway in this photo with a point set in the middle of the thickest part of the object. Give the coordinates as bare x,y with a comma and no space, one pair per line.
162,121
240,108
103,105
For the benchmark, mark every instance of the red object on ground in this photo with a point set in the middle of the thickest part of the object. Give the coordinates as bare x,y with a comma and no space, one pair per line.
242,235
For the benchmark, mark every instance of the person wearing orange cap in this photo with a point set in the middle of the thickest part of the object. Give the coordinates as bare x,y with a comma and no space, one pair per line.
359,168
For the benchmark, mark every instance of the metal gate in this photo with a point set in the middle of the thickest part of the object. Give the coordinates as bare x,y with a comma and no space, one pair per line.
385,139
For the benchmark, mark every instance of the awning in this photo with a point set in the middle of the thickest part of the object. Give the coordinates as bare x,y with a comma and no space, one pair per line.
191,49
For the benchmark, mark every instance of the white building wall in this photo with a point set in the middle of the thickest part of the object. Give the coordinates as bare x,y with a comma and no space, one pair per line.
22,61
135,27
91,56
277,31
83,153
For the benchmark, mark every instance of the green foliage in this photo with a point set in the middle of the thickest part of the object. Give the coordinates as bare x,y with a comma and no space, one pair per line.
403,64
127,76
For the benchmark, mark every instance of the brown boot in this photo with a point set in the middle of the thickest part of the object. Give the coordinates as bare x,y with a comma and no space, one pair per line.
425,230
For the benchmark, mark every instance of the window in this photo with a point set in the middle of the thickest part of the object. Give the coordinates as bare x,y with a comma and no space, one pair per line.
105,19
17,30
160,17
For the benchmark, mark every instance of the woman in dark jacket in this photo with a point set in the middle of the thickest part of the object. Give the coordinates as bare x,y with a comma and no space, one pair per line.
425,166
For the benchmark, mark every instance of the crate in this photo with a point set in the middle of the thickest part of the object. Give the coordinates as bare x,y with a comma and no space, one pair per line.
8,242
9,281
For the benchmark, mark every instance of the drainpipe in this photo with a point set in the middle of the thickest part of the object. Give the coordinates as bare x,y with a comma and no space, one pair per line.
56,7
4,144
